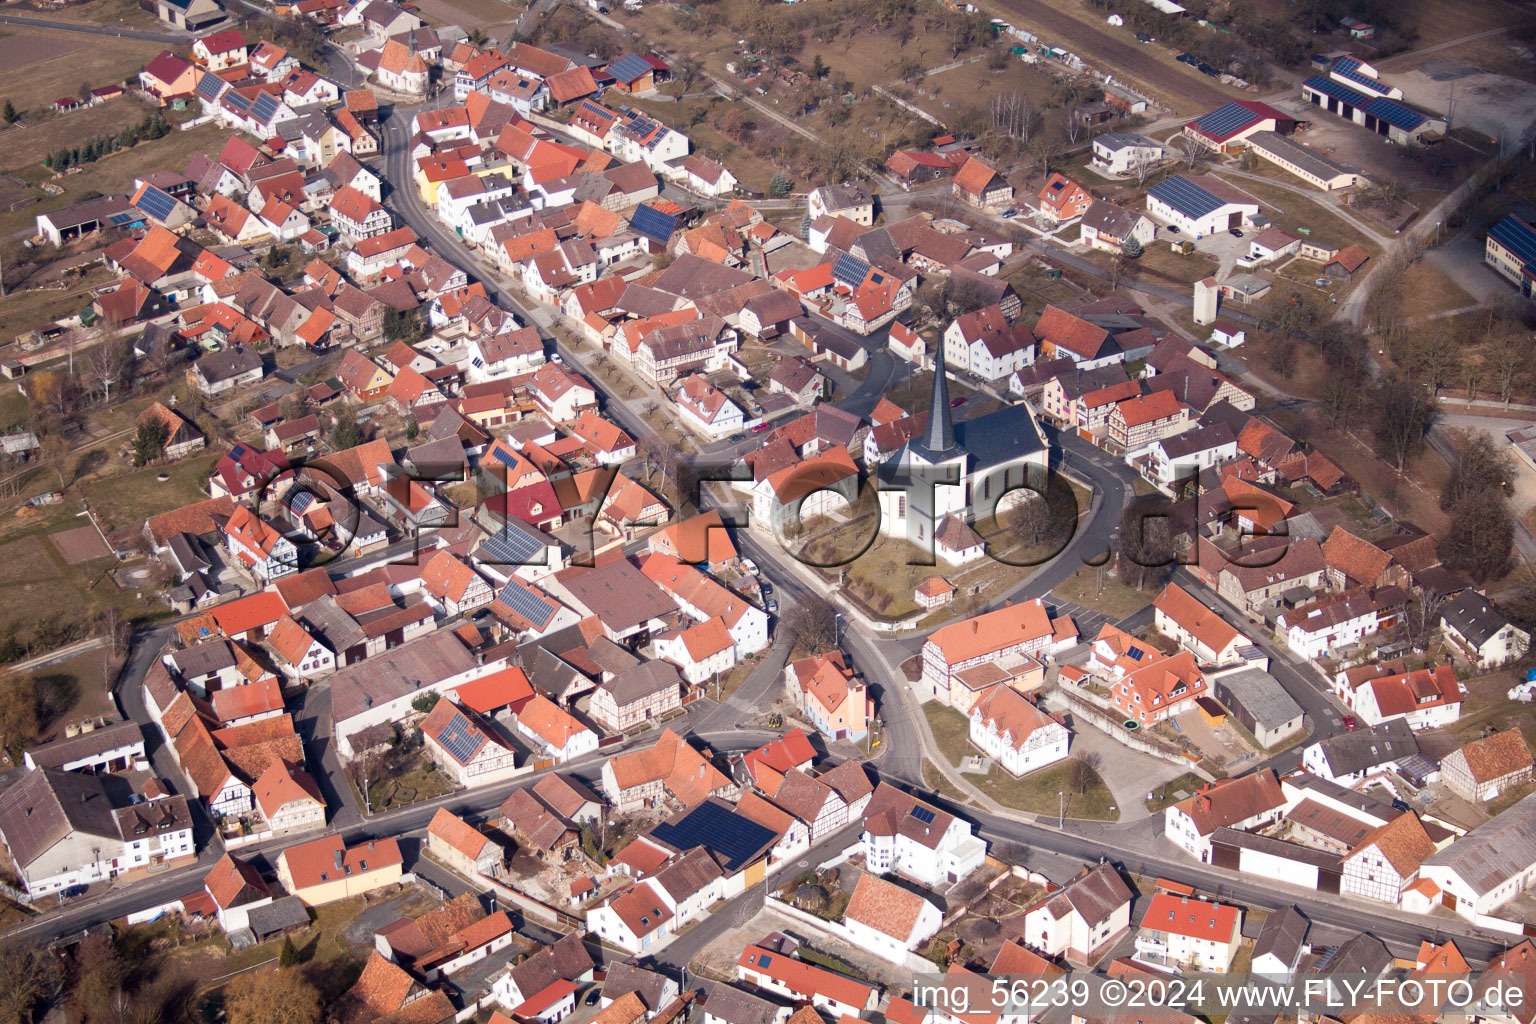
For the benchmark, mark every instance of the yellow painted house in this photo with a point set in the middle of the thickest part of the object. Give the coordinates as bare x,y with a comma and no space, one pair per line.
324,871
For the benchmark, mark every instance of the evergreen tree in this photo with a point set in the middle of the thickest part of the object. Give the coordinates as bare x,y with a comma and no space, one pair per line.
1131,247
8,113
780,185
818,68
149,441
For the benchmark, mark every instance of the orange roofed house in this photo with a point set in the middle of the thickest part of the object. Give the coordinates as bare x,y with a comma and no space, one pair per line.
979,184
827,692
643,778
1180,930
1243,803
325,870
1006,638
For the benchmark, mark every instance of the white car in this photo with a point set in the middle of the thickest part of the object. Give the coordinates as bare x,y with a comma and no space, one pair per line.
749,565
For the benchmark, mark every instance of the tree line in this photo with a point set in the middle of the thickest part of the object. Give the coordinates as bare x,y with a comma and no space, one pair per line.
152,127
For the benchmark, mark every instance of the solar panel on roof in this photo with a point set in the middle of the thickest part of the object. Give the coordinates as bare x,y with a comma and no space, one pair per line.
511,546
120,219
238,102
922,814
1226,119
526,603
850,269
209,87
265,107
1516,236
630,67
156,203
1395,113
1363,80
1337,90
765,960
300,501
503,456
1185,196
734,839
1134,653
652,223
460,738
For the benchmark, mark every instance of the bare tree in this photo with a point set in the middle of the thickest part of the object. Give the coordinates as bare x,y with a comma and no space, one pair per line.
1189,151
813,622
104,367
1072,128
1142,167
1013,115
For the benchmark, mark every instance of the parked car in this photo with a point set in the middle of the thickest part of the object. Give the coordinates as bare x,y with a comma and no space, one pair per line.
596,993
956,401
1173,229
1236,232
1142,37
759,428
1186,58
1009,212
749,565
765,587
1349,722
773,607
1207,69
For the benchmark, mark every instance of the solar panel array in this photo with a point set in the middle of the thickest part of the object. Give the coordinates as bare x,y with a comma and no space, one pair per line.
1394,113
1516,236
1226,120
460,738
1349,67
238,102
652,223
122,219
1185,196
1337,90
300,500
265,107
630,67
503,456
922,814
850,270
209,87
156,203
526,603
720,830
510,546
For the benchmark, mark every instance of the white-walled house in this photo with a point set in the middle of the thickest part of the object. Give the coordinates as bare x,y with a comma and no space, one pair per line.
885,919
1179,931
1242,803
1021,737
905,836
1082,918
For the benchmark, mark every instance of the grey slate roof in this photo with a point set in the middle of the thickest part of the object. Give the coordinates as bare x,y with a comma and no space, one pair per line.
1282,935
1360,749
47,805
737,1006
1495,851
1262,696
641,681
1471,615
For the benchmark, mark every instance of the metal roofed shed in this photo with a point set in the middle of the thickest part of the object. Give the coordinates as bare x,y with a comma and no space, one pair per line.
1258,701
734,839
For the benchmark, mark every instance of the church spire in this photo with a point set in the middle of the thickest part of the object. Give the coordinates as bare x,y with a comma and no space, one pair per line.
940,436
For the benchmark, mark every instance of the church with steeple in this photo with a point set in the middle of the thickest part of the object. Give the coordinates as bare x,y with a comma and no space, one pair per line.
955,473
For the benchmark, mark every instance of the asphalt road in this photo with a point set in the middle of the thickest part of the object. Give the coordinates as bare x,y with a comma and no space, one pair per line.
95,30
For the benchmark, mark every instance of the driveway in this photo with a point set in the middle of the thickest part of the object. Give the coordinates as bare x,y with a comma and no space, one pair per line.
1128,773
1461,259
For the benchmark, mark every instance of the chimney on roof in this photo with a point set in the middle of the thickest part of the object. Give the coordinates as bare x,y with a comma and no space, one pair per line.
339,855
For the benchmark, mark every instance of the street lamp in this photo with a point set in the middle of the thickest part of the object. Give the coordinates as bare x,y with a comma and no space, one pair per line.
1061,808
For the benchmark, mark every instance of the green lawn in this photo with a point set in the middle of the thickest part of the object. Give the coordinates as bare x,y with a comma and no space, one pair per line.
1115,599
937,781
1163,796
128,498
951,730
1048,790
421,783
